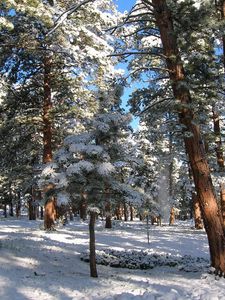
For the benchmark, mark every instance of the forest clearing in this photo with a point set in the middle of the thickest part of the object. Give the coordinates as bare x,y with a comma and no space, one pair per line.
40,265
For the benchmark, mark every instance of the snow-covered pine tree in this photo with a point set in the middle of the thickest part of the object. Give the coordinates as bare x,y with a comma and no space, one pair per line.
91,161
49,70
161,30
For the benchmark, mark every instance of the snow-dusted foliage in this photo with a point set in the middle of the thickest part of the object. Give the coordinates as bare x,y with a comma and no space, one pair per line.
147,259
99,160
105,168
63,198
93,209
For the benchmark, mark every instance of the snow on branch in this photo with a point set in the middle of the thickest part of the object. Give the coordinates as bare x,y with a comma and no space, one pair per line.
66,14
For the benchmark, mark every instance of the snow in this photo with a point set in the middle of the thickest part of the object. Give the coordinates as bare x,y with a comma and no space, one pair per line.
40,265
105,168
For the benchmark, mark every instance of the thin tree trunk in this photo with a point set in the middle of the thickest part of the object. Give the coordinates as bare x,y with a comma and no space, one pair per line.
108,217
18,205
32,205
42,213
11,213
5,210
125,211
131,212
192,137
93,269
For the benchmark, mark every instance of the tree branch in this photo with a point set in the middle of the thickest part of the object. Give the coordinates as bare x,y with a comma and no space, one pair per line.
137,53
66,14
154,104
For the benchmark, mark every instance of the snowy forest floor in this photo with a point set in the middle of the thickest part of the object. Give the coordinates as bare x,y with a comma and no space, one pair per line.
38,265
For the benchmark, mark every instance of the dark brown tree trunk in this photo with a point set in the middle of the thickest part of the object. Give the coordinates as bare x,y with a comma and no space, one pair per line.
108,217
42,213
131,213
5,210
222,202
192,137
197,212
11,213
47,106
32,205
18,205
31,210
93,269
50,206
125,211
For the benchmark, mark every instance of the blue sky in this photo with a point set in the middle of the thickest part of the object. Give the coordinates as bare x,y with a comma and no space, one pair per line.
122,6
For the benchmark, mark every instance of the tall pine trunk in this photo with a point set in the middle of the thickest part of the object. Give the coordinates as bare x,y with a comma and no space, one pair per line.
192,137
50,206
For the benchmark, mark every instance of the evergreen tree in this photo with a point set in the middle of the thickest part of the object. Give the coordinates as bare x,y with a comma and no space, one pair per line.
163,30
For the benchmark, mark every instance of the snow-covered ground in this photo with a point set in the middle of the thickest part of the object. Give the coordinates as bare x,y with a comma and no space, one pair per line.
38,265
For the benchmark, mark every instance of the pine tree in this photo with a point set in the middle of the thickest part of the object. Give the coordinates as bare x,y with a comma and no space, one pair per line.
162,29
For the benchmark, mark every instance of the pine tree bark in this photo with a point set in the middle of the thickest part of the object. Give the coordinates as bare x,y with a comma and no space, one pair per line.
11,213
93,268
50,214
18,205
131,212
5,210
47,106
125,211
108,217
192,137
197,212
172,216
222,202
32,205
50,206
